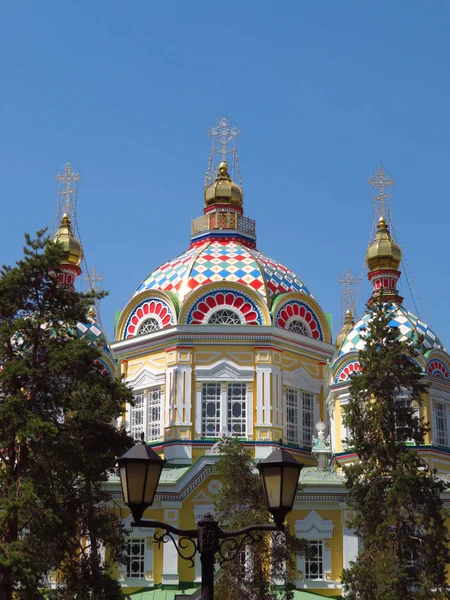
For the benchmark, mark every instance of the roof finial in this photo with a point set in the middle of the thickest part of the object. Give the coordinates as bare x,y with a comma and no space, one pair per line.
223,147
68,180
381,184
349,288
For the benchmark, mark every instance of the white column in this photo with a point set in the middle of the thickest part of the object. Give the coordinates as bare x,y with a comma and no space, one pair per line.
198,409
350,542
249,425
264,400
199,512
170,555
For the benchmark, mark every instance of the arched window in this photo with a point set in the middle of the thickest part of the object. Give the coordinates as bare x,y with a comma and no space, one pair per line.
148,325
224,317
298,326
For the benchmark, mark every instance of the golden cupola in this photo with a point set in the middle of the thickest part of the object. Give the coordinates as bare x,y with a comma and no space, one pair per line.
383,252
349,323
73,252
223,190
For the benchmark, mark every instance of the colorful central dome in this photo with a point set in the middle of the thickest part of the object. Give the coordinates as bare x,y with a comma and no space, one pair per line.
222,279
223,261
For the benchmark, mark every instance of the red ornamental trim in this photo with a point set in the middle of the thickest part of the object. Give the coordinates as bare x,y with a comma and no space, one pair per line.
153,308
294,311
215,301
103,370
438,369
353,367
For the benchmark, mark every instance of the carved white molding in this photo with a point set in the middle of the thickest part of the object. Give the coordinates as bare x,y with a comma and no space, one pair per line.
146,378
224,370
302,380
314,527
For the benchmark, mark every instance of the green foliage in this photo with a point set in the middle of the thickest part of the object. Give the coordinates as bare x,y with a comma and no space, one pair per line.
58,441
398,509
240,503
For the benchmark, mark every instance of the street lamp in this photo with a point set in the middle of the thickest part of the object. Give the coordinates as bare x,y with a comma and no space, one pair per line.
140,471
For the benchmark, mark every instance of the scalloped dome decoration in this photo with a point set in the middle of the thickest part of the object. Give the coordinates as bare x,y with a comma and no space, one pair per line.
225,307
410,327
437,368
299,317
103,366
278,277
347,369
151,314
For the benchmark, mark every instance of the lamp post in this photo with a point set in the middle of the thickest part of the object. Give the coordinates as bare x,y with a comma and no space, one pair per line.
140,471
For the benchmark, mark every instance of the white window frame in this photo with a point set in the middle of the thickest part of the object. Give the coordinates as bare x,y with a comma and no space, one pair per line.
146,534
299,432
224,372
148,405
225,421
318,559
441,399
132,541
315,529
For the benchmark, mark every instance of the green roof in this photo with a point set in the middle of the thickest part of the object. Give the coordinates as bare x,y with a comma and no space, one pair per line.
160,594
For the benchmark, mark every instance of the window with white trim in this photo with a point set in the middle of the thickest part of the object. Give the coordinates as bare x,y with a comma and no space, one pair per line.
145,416
405,402
314,560
135,558
224,411
299,417
137,416
441,424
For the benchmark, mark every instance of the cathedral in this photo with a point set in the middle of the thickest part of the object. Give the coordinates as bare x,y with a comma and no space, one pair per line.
223,340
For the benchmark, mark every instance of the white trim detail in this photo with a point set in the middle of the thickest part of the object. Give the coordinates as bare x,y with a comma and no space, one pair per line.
224,370
312,528
302,380
146,378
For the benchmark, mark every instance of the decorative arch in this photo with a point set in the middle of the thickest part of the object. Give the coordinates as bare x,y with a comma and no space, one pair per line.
437,368
146,312
348,368
103,366
294,314
230,305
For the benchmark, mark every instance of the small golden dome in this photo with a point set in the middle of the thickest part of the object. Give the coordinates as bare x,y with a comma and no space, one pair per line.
223,190
72,247
349,323
383,252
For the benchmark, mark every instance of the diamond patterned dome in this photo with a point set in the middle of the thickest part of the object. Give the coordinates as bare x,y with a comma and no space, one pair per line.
409,326
227,261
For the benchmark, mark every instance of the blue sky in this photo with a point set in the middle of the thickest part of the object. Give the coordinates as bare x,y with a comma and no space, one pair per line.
321,91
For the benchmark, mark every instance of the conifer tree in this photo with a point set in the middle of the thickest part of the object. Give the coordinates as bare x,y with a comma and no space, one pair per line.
398,514
58,441
260,571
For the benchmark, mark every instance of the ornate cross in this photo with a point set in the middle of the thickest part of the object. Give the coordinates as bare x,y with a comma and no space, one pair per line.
67,189
349,285
381,201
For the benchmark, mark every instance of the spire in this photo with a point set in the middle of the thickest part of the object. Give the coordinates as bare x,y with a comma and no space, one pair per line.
68,180
73,253
349,323
349,287
383,258
223,198
381,184
223,149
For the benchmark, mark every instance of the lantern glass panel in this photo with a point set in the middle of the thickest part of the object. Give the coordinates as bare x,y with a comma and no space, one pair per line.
272,484
290,481
153,475
136,481
123,480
